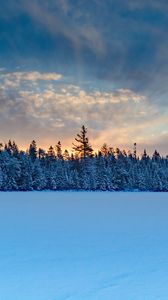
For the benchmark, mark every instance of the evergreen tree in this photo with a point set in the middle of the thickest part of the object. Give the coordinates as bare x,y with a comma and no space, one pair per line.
25,181
135,151
107,170
41,153
59,150
104,150
33,150
1,180
51,152
66,155
38,178
83,149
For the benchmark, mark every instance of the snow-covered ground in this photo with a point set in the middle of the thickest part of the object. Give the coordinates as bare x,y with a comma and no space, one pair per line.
83,246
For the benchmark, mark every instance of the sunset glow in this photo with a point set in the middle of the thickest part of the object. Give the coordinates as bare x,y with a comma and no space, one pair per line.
61,66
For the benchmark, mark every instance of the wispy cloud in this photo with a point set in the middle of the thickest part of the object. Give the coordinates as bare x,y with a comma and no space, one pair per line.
123,41
79,34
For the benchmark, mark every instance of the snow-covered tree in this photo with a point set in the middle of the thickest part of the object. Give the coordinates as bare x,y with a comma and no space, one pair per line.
33,150
108,169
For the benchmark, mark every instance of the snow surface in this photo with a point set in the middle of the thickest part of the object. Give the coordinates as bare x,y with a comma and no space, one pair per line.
83,246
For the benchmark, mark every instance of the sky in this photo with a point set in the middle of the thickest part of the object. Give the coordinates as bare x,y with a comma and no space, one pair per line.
104,64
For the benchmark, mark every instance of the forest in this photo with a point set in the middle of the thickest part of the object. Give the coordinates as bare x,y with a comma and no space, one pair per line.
108,169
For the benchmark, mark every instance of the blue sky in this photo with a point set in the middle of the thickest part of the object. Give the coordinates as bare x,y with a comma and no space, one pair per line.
102,63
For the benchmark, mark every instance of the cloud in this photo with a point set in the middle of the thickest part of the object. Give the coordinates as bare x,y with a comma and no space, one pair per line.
30,76
80,35
16,79
116,41
118,116
118,47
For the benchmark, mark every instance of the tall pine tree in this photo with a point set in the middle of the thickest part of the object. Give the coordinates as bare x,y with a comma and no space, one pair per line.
83,149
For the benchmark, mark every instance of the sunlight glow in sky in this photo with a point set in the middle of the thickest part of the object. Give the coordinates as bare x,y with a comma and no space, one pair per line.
66,63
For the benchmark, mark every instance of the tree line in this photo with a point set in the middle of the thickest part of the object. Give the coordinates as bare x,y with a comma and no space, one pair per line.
108,169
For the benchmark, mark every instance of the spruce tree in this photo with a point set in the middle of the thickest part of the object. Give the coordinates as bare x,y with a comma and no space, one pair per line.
59,150
83,149
33,150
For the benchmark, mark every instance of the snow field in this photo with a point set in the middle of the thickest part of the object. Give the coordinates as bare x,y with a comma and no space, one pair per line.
83,246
